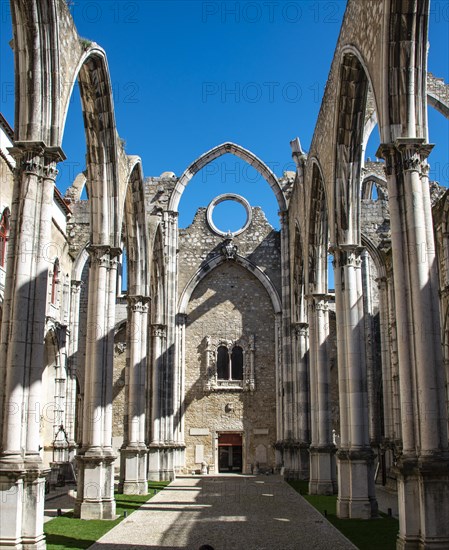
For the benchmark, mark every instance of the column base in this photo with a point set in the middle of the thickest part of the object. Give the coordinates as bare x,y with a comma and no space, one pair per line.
95,494
322,470
161,462
356,493
22,498
133,474
423,497
303,462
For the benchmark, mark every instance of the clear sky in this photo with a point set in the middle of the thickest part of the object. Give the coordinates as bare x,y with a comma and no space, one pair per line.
189,75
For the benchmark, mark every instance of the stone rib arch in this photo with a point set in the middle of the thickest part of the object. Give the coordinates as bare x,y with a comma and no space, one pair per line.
214,262
132,219
157,277
376,255
101,144
438,94
37,80
298,276
369,181
80,262
354,84
318,232
217,152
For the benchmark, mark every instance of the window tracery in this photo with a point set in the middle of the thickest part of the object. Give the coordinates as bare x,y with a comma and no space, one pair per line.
230,364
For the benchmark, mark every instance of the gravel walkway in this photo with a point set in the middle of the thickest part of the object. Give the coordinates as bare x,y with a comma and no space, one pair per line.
229,513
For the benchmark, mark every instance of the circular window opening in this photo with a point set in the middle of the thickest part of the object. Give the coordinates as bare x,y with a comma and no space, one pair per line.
229,214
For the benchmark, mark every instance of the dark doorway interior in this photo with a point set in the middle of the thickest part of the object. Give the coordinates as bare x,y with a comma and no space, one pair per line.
230,453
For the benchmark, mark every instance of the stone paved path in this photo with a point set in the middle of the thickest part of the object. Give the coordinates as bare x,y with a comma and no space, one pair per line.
229,513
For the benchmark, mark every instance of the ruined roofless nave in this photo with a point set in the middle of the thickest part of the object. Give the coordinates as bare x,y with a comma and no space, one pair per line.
228,352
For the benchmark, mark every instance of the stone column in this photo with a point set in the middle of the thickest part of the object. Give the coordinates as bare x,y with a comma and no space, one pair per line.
279,386
385,358
423,466
133,452
70,419
144,390
157,389
322,450
286,355
356,497
302,411
22,347
61,442
181,320
171,374
371,363
95,496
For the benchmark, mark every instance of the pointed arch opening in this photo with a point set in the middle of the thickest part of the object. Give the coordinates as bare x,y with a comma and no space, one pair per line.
218,151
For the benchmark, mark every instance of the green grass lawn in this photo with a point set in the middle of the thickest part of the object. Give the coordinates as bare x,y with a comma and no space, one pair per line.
69,532
366,534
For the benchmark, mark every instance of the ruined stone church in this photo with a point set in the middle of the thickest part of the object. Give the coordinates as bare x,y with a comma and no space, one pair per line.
228,353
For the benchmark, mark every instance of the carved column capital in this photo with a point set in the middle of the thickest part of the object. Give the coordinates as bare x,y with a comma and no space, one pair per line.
347,255
301,329
134,303
146,301
283,217
99,254
171,217
76,286
405,155
159,331
381,283
34,157
414,152
181,319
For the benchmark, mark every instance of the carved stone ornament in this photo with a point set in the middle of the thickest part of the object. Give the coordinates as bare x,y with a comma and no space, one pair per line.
229,249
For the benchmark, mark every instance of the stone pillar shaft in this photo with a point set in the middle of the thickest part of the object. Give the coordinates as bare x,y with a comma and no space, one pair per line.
95,495
422,468
355,457
322,461
22,346
133,465
386,360
303,413
72,361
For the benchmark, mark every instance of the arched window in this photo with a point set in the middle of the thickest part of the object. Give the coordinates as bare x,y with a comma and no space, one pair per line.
4,235
237,363
223,363
229,363
55,282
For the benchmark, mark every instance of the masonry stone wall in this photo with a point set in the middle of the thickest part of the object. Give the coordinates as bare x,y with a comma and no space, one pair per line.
223,306
118,386
260,244
230,304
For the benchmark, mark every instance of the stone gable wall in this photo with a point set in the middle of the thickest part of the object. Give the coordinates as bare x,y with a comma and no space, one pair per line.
230,303
260,244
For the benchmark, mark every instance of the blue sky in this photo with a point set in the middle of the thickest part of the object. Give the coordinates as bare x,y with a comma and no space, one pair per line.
188,75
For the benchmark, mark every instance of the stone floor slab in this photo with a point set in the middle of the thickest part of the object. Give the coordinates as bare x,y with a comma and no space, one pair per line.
226,512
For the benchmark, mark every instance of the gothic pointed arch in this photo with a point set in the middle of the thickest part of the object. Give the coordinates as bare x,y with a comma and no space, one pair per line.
217,152
318,233
157,279
95,87
352,100
218,260
298,277
37,62
134,229
407,78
